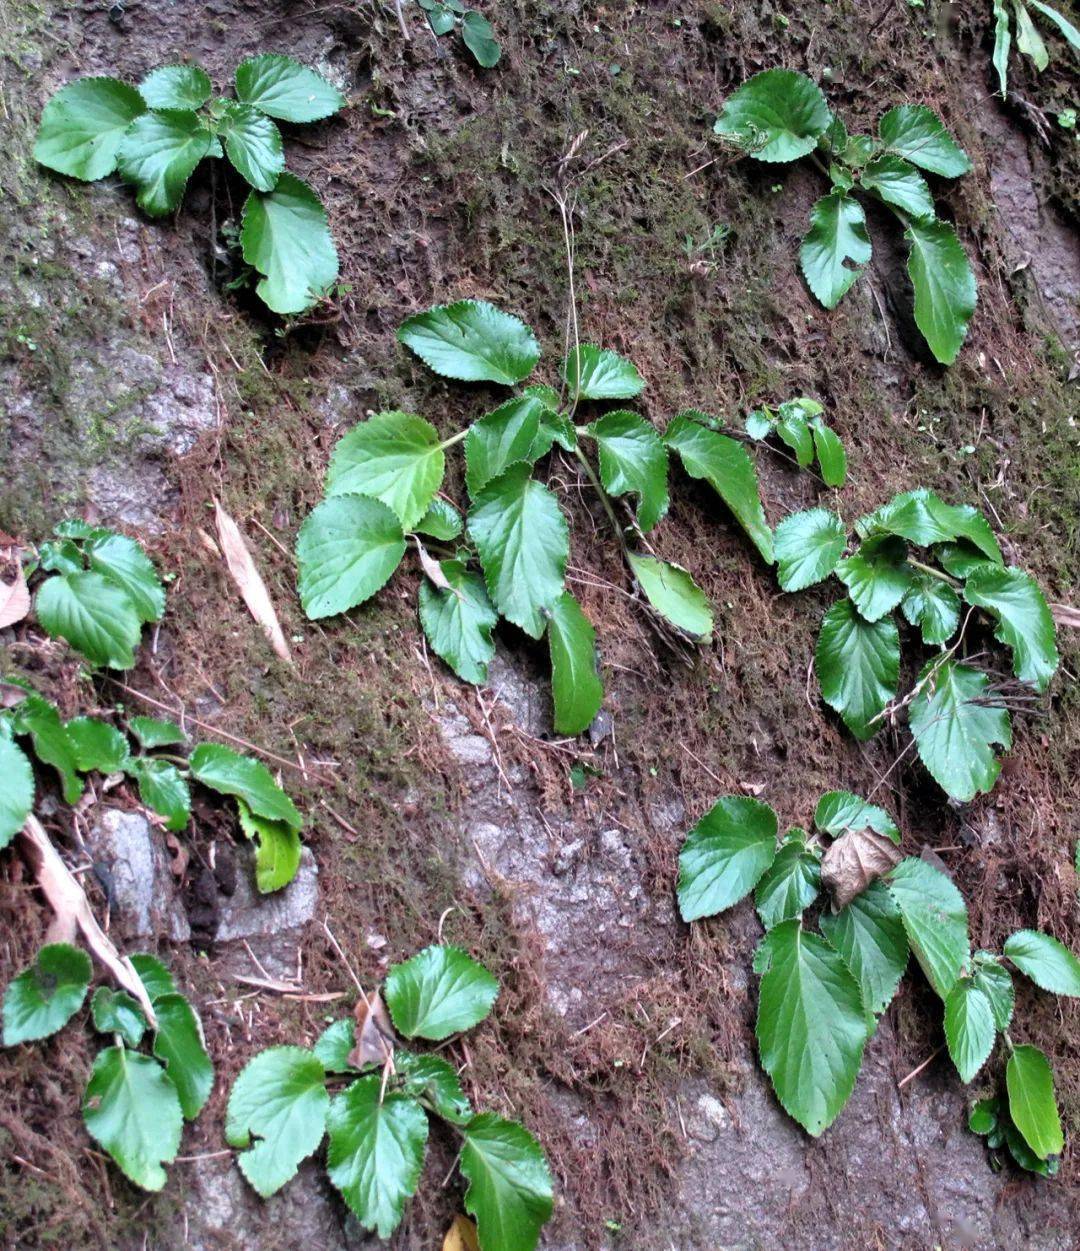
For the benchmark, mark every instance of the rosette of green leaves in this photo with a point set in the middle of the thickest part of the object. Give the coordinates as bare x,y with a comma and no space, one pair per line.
476,31
799,424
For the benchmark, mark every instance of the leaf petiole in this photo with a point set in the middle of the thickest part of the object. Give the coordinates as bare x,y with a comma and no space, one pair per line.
934,573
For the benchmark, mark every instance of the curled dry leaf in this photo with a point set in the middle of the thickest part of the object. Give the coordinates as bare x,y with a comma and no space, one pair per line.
433,569
855,860
249,581
374,1033
461,1236
14,599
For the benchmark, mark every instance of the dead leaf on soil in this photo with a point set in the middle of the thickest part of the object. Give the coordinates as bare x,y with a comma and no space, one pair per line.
374,1033
461,1236
853,861
432,568
179,856
14,599
249,581
1066,615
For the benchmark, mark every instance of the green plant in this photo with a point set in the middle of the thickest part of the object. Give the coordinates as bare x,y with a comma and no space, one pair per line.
1028,39
957,710
385,474
779,116
157,134
377,1125
800,425
703,256
135,1102
476,30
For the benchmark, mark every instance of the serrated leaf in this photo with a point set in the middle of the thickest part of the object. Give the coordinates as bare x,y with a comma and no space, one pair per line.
176,87
124,562
94,615
394,457
154,976
458,621
473,341
346,550
509,1185
858,666
277,849
285,236
808,546
430,1077
868,933
945,292
17,793
832,459
900,185
840,811
83,125
479,38
1024,620
917,134
334,1045
441,521
633,460
179,1043
995,982
52,746
1067,29
592,373
935,919
1032,1106
575,682
922,517
877,576
283,88
44,997
554,428
253,145
132,1109
837,235
230,773
778,115
674,594
158,153
969,1028
933,606
152,732
790,885
1028,39
97,745
725,856
164,789
438,992
500,439
279,1097
1049,963
117,1012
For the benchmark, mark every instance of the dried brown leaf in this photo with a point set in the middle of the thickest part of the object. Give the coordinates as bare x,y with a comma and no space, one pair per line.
432,568
249,581
853,861
374,1033
461,1236
14,599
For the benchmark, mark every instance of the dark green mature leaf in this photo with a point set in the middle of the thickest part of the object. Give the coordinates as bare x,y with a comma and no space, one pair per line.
595,374
832,459
725,856
633,460
179,1043
945,292
230,773
480,39
458,621
955,731
440,17
500,439
164,789
778,115
17,793
94,615
124,562
1032,1106
283,88
132,1109
969,1027
935,919
158,153
868,933
960,559
117,1012
280,1098
858,666
509,1193
726,466
430,1077
438,992
52,746
154,976
176,87
808,547
375,1151
441,521
674,594
523,542
394,457
811,1026
575,682
335,1044
83,124
472,340
285,236
1049,964
151,732
900,185
97,745
840,811
277,849
554,428
922,517
253,145
837,235
1024,620
346,550
44,997
933,606
916,133
790,885
995,982
877,576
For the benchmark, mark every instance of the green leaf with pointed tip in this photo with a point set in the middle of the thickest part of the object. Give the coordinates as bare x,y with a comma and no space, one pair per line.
500,439
945,293
995,982
179,1043
523,542
674,594
154,976
633,460
868,933
840,811
792,426
960,559
933,606
132,1109
280,1098
1068,30
1002,44
334,1046
955,729
595,374
790,885
176,87
725,856
230,773
283,88
969,1028
473,341
164,789
808,547
837,235
1032,1106
935,919
346,550
458,621
253,145
575,683
811,1026
97,745
430,1077
285,236
277,849
922,517
832,459
877,576
778,115
94,615
394,457
1049,963
116,1012
124,562
900,185
83,125
158,154
509,1192
1024,620
438,992
152,732
479,38
917,134
441,521
44,997
1028,39
17,794
858,666
52,746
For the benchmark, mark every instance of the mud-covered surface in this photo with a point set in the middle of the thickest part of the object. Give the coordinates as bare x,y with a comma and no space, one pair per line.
136,389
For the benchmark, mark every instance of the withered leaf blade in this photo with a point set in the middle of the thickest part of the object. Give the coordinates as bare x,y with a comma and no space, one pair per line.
249,581
374,1033
853,861
461,1236
14,600
433,569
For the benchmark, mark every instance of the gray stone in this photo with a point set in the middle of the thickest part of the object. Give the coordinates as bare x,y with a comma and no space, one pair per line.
131,856
247,914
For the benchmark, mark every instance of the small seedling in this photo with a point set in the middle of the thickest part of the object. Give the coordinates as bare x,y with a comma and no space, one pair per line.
1028,39
476,31
800,425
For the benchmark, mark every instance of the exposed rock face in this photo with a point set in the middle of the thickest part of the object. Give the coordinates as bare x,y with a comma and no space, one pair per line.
133,867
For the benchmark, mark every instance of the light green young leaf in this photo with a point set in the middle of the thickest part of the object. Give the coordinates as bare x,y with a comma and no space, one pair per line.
633,460
900,185
945,293
1032,1106
124,562
52,746
808,546
759,424
97,745
509,1192
94,615
253,145
575,682
995,982
176,87
554,428
44,997
283,88
83,124
674,594
1002,44
17,793
933,606
595,374
969,1027
438,992
132,1109
277,849
858,666
479,38
868,933
230,773
1068,30
473,341
917,134
1028,39
778,115
794,429
151,732
790,885
430,1077
1049,963
837,234
840,811
163,789
285,236
346,550
154,976
179,1043
500,439
117,1012
458,621
334,1046
394,457
935,919
877,576
832,459
441,521
725,856
1024,620
158,153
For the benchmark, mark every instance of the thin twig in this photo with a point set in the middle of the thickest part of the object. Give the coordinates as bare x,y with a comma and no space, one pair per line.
915,1072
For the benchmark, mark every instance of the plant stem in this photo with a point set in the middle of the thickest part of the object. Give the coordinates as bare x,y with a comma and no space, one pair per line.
591,475
454,438
934,573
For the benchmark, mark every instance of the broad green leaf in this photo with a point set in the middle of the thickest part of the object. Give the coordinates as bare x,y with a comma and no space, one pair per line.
346,550
430,1077
230,773
83,124
554,428
969,1028
595,374
674,594
441,521
124,562
472,341
132,1109
995,982
164,789
1068,30
1028,39
900,185
44,997
917,134
1049,964
945,293
500,439
794,429
393,457
334,1046
858,666
97,745
94,615
375,1151
154,976
152,732
479,38
778,115
176,87
280,1098
52,746
960,559
868,933
955,729
575,681
725,856
808,547
858,150
922,517
509,1192
1030,1084
877,576
523,541
832,459
1024,620
726,466
285,237
283,88
1002,44
158,153
811,1026
837,235
790,885
633,460
277,849
759,425
840,811
179,1043
935,920
440,17
253,145
61,557
438,992
458,621
17,793
933,606
117,1012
